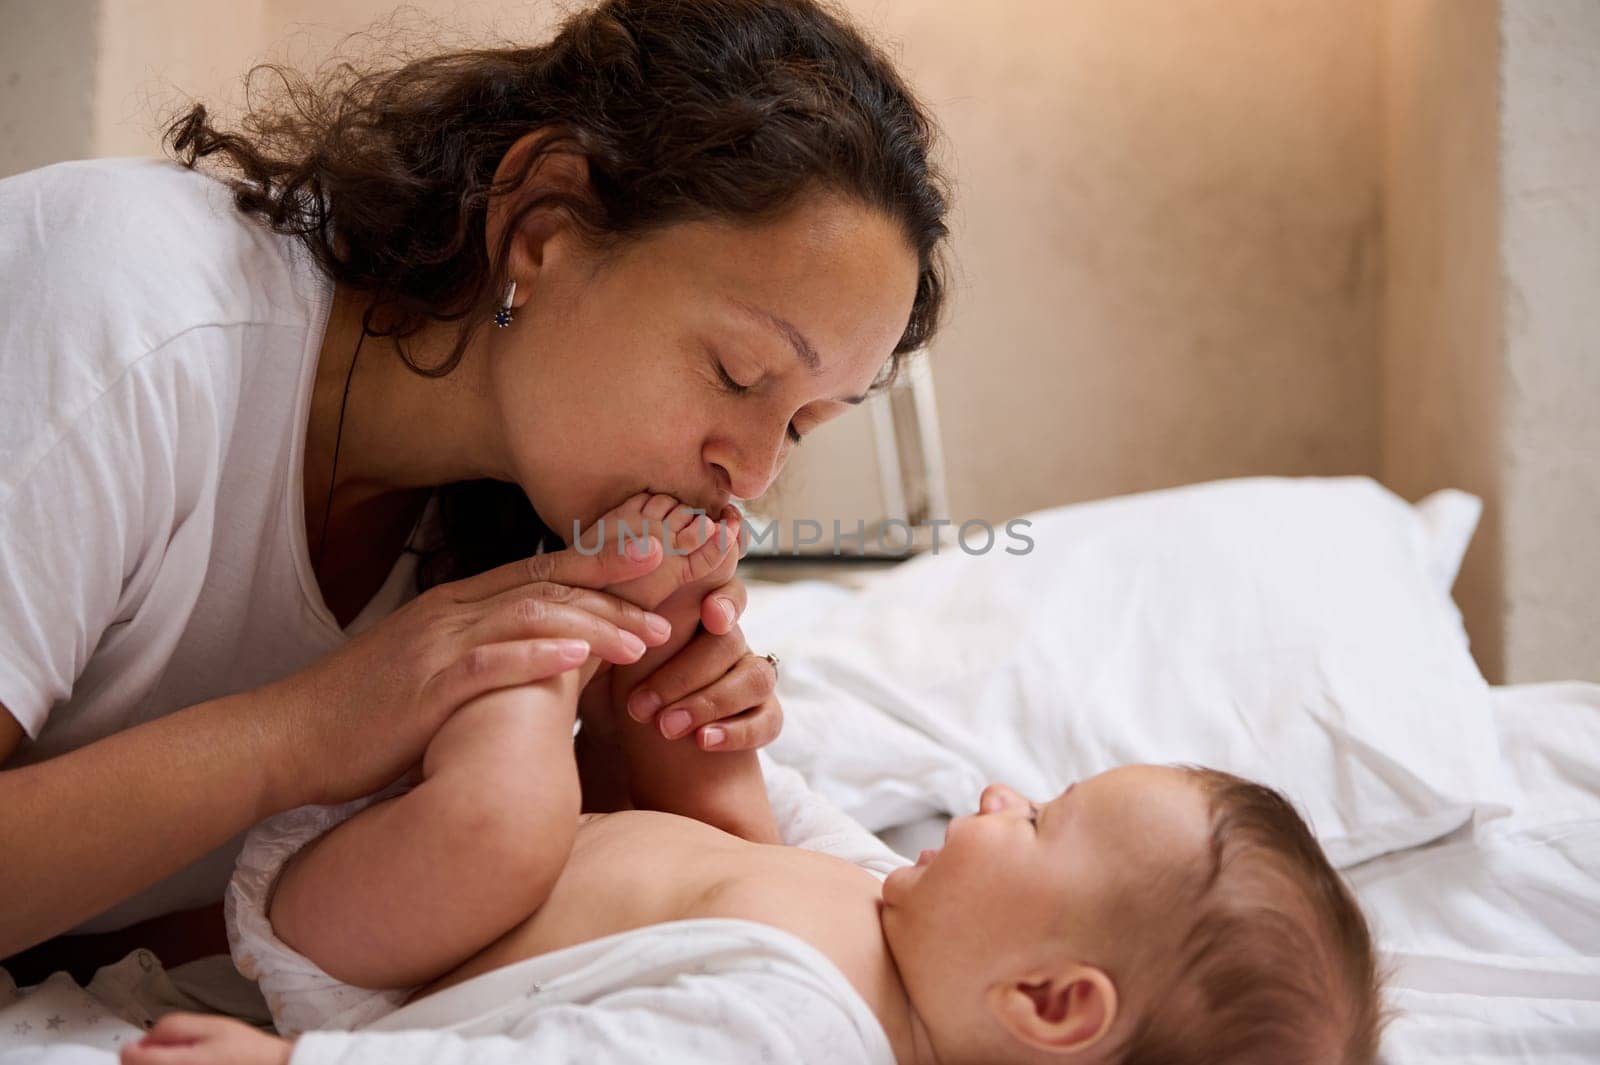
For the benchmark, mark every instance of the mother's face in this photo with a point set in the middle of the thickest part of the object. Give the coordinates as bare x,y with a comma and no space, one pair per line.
690,361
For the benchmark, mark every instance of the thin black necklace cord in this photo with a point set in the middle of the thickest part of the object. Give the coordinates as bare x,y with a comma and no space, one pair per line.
338,438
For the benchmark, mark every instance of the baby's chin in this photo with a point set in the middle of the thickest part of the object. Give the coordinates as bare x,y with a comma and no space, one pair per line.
904,879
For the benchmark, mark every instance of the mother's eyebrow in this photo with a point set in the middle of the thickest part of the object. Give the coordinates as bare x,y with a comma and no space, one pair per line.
786,329
797,340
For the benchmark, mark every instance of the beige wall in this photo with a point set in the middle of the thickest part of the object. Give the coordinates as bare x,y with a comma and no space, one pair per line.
1194,240
1491,349
154,52
1168,231
1441,391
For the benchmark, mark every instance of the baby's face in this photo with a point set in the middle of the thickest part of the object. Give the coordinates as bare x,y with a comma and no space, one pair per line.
1018,883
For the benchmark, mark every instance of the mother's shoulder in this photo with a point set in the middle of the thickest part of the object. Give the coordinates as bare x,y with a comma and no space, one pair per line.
106,262
157,246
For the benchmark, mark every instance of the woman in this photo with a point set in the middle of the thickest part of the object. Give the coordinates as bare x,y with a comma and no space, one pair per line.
249,416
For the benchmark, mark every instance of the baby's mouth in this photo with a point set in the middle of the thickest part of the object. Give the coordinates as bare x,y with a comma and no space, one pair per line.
926,856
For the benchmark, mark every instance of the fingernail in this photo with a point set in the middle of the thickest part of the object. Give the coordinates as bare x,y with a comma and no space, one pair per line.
634,645
675,724
643,704
728,610
640,549
659,626
713,736
572,650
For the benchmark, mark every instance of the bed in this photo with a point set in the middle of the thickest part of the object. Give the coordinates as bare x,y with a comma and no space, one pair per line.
1299,631
1296,630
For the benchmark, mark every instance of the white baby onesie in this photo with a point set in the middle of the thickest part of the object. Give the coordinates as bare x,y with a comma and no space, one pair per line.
303,998
708,991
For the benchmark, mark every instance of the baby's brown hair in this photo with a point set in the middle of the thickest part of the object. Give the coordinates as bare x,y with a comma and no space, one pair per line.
1276,966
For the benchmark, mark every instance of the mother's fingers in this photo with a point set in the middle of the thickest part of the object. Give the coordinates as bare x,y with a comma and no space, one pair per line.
746,685
652,628
752,729
609,564
702,662
489,667
559,611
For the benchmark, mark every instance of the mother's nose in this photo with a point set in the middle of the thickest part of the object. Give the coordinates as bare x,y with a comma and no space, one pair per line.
745,475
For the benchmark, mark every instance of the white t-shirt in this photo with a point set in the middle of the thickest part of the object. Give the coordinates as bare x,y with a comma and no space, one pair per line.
157,355
710,991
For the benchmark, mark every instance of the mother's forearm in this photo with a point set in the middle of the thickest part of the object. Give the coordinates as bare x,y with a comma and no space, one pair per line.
87,829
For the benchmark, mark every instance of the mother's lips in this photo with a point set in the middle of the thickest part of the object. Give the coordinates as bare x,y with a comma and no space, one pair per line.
926,856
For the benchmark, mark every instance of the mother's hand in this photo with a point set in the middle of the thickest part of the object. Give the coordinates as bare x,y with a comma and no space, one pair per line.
356,719
716,687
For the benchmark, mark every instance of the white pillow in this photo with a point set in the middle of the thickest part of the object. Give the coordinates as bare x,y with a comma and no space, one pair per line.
1450,517
1293,631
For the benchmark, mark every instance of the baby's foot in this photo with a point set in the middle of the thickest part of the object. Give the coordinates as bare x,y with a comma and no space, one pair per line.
700,554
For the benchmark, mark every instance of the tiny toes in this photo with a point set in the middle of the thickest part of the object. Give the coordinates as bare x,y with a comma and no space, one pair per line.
659,506
680,518
706,559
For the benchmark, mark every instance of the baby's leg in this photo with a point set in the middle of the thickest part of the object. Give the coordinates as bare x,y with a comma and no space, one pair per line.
724,789
409,888
721,788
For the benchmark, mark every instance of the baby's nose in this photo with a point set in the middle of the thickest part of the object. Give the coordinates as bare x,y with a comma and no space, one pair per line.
997,797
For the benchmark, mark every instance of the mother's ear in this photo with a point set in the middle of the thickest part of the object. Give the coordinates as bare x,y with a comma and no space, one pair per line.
1067,1010
562,169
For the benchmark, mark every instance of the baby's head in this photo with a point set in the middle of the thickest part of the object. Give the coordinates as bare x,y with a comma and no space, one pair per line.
1148,914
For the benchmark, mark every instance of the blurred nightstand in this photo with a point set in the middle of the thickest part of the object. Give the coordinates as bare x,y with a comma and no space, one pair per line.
846,571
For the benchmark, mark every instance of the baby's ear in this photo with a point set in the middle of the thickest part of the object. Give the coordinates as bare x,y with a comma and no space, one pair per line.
1066,1010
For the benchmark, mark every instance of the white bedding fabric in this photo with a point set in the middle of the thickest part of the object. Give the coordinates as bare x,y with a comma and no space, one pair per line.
1295,631
1495,934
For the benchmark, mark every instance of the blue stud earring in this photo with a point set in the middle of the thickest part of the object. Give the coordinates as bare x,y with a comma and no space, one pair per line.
502,317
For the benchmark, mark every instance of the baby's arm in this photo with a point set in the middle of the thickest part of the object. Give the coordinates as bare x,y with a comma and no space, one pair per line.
724,789
409,888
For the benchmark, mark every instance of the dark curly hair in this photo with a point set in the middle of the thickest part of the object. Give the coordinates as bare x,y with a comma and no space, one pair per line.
686,110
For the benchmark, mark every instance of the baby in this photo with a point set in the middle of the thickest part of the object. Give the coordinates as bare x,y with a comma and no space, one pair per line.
1147,914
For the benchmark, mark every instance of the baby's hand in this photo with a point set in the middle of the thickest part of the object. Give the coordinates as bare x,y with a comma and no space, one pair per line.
201,1039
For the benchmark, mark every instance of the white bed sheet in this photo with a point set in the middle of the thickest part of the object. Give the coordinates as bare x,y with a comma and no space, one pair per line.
1495,933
